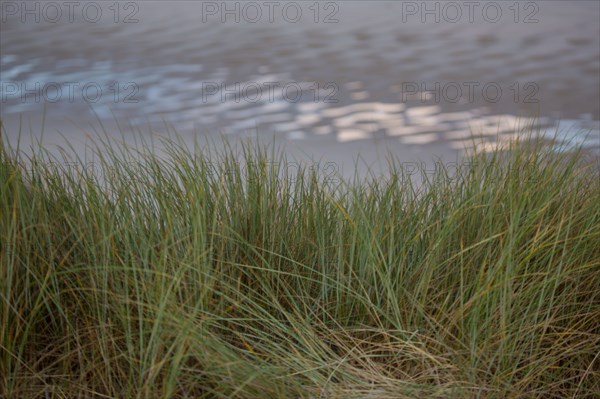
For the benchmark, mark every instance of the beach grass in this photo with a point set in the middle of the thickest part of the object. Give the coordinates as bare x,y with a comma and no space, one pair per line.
194,276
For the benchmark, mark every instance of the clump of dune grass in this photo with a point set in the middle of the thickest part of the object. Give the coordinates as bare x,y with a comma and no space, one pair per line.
190,276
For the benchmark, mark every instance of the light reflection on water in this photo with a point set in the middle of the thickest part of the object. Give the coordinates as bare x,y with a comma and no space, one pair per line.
360,78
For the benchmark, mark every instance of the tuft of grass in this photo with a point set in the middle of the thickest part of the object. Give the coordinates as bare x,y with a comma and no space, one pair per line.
196,276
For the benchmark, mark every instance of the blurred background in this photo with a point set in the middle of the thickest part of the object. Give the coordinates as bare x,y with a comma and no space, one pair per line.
333,80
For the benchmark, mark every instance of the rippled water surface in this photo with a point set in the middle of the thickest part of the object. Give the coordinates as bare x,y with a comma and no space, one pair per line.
345,73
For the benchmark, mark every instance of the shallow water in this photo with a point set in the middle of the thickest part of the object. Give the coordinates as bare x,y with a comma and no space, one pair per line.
345,72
